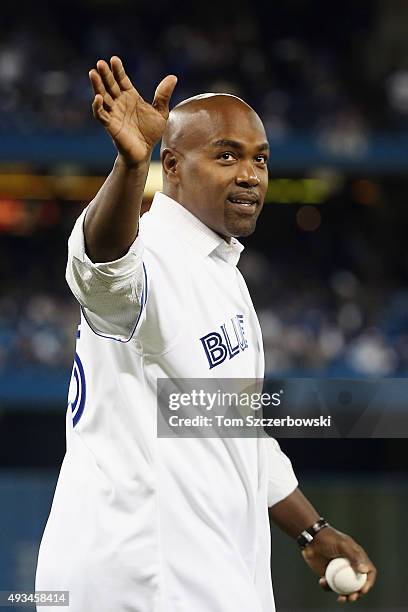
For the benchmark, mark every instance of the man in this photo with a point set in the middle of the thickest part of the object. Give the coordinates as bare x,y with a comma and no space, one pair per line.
141,523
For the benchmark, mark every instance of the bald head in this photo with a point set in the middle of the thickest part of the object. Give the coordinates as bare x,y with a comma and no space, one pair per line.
190,116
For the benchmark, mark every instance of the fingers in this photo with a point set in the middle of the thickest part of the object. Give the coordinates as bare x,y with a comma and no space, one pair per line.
344,598
119,73
99,88
357,557
371,578
341,598
361,563
99,112
109,82
324,585
108,79
352,597
107,85
163,94
96,82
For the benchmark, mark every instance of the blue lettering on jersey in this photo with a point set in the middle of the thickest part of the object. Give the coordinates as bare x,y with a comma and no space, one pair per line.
229,343
214,348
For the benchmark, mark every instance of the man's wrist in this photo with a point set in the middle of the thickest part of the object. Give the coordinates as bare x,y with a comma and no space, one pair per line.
134,165
307,536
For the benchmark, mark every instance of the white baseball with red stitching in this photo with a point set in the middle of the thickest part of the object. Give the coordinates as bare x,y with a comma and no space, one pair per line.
342,578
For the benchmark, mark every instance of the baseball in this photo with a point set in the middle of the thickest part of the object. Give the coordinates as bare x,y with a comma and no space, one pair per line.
341,577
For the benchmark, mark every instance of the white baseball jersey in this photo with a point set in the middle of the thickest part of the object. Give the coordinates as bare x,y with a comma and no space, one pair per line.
147,524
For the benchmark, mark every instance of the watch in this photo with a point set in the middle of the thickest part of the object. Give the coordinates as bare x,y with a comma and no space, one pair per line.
307,536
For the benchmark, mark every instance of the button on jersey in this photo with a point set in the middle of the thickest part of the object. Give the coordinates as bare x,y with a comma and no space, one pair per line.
141,523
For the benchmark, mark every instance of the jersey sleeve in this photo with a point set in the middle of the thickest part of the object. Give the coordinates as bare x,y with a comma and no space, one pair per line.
281,477
112,295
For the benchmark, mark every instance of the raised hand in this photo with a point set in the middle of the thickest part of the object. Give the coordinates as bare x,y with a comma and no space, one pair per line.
133,124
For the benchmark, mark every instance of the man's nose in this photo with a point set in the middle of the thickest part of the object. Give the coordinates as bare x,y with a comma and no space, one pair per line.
247,176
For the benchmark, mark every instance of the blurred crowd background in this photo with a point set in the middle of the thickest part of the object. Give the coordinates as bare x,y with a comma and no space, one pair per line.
336,81
327,267
332,301
300,64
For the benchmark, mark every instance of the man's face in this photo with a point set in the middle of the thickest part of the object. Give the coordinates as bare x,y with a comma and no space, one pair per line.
222,167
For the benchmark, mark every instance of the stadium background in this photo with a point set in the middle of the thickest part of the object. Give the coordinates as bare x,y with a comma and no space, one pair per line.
327,267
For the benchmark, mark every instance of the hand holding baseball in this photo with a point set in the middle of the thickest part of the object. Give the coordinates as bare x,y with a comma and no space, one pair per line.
342,578
330,544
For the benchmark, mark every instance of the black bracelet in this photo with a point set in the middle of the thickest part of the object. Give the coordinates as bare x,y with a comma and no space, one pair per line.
307,536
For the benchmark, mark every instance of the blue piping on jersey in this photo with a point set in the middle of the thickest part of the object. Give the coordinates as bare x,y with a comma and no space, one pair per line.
78,384
142,305
81,388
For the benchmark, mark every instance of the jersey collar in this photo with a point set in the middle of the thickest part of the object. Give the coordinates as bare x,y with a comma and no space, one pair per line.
194,231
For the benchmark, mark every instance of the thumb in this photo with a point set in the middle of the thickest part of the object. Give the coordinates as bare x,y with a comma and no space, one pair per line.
360,566
355,554
163,94
358,562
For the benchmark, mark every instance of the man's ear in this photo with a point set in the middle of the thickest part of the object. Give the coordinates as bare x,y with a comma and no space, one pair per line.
170,163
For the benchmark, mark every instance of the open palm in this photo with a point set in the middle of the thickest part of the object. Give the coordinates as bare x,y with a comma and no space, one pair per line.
133,124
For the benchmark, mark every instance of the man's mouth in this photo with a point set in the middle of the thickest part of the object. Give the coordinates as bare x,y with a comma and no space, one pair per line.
244,200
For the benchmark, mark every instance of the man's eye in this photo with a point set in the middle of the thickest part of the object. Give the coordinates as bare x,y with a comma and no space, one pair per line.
261,159
227,156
